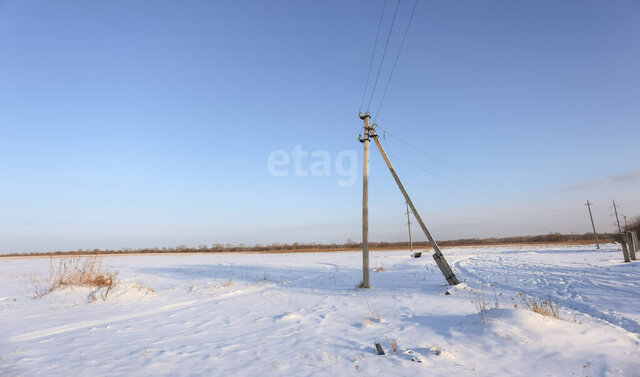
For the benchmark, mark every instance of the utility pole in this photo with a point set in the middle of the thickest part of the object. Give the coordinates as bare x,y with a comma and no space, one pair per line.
437,254
365,202
625,222
592,225
409,225
616,212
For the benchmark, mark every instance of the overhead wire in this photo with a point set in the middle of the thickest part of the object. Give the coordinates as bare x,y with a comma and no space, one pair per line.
384,53
438,160
404,36
480,188
431,157
375,45
428,171
447,178
487,191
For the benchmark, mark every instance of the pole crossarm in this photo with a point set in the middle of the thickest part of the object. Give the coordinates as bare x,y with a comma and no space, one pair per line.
437,254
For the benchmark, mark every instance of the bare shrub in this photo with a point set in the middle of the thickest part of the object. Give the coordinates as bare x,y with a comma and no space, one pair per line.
380,268
634,225
81,271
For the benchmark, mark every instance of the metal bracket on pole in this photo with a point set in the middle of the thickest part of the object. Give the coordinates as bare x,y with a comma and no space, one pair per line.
437,254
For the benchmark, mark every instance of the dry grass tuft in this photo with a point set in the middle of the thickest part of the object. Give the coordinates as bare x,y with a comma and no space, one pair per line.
480,302
380,268
142,288
82,272
545,307
393,344
376,315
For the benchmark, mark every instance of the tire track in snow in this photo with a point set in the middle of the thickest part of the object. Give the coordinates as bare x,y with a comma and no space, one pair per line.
38,334
625,323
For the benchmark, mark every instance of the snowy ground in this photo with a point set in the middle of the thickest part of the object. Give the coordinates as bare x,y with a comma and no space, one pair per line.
299,315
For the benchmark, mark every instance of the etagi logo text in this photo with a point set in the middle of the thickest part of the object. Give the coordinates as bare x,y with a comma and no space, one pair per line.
315,164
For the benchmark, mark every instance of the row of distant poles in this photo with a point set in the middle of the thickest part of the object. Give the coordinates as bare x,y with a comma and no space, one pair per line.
628,239
593,226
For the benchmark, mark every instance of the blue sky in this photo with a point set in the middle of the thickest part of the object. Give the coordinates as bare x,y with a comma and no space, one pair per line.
135,124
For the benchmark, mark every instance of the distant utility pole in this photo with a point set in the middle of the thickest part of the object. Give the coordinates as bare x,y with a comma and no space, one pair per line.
409,225
625,222
365,202
617,219
592,225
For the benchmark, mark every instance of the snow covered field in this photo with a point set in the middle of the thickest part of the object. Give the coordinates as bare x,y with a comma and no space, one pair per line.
300,315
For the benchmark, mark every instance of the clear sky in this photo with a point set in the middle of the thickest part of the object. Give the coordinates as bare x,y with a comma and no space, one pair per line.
158,123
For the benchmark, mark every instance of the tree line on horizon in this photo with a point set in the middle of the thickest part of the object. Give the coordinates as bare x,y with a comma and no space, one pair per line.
349,245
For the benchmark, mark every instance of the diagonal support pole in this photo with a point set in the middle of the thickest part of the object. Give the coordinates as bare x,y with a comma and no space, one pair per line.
437,254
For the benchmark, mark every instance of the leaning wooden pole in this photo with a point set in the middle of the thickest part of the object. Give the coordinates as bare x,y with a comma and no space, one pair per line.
595,234
437,254
615,210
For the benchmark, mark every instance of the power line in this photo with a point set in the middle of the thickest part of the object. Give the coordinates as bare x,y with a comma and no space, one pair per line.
375,45
386,88
431,157
384,53
488,190
431,172
479,187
